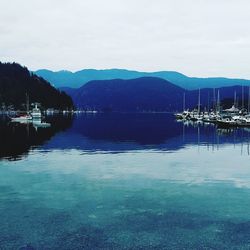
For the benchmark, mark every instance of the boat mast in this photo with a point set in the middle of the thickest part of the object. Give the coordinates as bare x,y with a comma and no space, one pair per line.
208,101
184,101
199,101
218,100
235,100
27,103
248,99
242,97
214,100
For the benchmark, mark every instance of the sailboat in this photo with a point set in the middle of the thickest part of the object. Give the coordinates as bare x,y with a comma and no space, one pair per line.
185,114
233,111
23,117
196,115
199,118
236,117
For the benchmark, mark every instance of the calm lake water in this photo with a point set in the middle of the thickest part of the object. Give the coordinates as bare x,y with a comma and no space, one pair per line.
124,181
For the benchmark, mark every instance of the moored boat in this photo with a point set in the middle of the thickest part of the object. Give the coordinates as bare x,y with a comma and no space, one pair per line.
36,112
21,118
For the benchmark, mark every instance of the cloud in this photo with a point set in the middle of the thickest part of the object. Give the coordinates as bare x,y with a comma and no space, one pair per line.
196,37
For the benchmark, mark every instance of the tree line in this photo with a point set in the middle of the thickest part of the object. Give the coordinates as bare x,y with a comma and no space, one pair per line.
17,82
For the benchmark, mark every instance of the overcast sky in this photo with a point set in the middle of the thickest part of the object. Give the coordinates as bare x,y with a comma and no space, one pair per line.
195,37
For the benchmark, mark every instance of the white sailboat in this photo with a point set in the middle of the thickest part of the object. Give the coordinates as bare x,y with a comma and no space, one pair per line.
23,117
185,113
196,114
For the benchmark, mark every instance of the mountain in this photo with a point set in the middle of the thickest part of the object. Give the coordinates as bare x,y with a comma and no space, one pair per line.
147,94
140,94
77,79
17,81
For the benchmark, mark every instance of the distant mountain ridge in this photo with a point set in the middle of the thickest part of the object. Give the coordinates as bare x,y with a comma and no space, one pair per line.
76,79
145,94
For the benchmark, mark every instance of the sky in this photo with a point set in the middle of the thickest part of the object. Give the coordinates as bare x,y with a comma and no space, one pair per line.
196,37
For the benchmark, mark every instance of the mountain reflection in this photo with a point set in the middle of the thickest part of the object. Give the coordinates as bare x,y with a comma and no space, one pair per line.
114,133
140,128
122,132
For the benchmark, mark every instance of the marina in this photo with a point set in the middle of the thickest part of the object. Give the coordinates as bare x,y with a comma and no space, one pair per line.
229,117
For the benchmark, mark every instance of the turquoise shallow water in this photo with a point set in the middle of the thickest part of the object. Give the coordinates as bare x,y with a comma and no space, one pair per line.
83,188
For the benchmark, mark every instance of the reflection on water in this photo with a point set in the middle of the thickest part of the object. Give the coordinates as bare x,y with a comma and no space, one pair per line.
116,133
124,181
18,138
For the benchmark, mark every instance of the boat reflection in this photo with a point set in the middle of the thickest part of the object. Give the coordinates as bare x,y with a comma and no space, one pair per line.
117,133
17,138
125,132
214,137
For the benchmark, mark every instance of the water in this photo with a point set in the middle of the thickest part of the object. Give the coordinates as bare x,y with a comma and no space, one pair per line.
124,181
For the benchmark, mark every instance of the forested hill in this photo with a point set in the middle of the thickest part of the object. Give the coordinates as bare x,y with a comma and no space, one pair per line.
136,95
16,82
149,94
